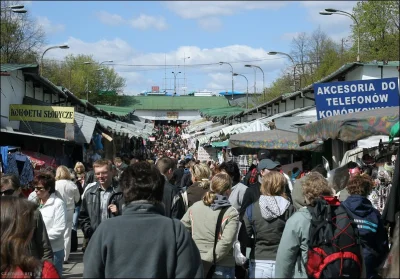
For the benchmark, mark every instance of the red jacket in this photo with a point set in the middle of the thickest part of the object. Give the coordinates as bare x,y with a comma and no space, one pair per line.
48,271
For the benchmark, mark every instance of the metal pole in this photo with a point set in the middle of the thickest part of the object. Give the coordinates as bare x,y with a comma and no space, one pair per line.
87,88
231,72
255,81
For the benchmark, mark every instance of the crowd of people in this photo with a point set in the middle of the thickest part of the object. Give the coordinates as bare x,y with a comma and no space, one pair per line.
175,217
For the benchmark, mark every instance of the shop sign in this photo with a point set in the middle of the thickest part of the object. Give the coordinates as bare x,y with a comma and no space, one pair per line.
344,97
41,113
172,114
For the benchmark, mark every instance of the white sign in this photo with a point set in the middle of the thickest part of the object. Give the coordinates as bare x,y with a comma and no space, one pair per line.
202,155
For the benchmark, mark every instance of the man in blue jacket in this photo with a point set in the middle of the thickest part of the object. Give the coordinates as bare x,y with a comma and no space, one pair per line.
142,242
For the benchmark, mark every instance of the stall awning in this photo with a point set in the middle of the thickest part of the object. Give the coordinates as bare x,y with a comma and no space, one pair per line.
272,139
84,127
31,135
350,127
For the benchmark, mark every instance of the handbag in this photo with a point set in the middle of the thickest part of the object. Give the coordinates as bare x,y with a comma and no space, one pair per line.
209,268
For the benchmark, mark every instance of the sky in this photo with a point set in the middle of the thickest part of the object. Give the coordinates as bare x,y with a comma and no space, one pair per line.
148,40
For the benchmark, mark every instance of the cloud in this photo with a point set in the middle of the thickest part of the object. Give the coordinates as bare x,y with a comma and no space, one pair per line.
48,27
210,24
110,19
202,70
144,22
289,36
205,9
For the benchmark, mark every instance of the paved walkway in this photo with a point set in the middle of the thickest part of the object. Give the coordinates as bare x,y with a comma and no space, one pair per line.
74,269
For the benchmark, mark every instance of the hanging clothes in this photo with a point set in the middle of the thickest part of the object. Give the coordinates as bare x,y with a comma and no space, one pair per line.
4,152
22,169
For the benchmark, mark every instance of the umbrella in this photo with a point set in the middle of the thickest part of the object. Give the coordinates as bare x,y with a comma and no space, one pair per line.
350,127
272,139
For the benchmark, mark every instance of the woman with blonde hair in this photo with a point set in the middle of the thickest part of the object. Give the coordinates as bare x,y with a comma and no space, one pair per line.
70,194
265,219
201,220
201,174
79,168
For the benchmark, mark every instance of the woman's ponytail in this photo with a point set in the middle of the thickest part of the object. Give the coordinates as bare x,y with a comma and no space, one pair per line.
208,198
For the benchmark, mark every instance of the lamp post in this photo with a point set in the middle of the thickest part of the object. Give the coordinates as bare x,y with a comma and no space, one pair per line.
291,59
87,82
175,74
184,72
339,12
247,91
18,9
258,67
53,47
231,72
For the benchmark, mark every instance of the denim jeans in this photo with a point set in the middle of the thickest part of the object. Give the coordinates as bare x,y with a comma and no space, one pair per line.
58,261
224,272
75,218
262,269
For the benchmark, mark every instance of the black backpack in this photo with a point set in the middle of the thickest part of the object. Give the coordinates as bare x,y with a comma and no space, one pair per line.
334,249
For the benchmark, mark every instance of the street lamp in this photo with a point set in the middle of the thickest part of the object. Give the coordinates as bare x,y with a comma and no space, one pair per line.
258,67
107,61
53,47
339,12
247,91
291,59
87,81
175,74
231,72
18,9
184,72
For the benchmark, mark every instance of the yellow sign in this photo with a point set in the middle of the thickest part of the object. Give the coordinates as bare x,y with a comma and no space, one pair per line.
172,114
41,113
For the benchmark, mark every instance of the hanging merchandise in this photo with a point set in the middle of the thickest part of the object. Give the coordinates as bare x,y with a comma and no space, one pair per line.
97,141
4,152
21,166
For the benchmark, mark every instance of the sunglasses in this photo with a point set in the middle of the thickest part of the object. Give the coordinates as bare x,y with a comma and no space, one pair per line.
39,188
7,192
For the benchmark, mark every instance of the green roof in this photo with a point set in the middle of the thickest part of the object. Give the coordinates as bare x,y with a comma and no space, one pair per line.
14,67
120,111
176,103
224,111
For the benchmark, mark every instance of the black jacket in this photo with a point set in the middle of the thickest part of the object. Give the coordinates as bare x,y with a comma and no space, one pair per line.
177,176
173,202
195,193
268,233
142,243
251,195
40,246
90,214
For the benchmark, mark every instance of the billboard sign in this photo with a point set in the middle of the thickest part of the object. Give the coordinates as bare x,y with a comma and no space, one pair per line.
42,113
344,97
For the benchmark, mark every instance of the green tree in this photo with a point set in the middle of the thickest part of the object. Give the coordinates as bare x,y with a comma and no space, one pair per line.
84,77
20,38
378,22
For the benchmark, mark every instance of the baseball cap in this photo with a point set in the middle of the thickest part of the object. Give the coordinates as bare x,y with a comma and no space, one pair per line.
266,164
263,154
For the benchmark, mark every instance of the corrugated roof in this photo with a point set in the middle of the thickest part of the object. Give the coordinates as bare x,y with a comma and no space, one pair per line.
120,111
226,111
84,127
15,67
176,103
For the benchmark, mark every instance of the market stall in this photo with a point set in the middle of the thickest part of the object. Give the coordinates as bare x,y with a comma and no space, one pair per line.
350,127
